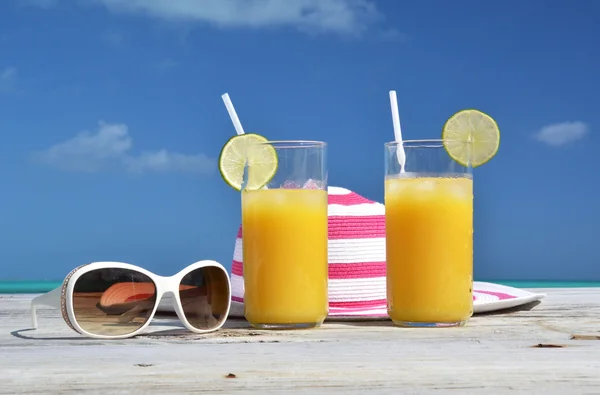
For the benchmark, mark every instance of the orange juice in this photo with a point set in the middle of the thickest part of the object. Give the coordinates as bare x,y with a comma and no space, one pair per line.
429,248
285,256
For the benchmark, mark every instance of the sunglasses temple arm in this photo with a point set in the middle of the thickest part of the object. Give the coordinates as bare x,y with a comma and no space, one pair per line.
50,299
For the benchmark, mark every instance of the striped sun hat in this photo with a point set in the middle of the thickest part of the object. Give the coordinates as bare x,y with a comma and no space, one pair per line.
356,258
357,265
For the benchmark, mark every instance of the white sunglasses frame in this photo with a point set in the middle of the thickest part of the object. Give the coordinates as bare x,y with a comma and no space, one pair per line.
62,297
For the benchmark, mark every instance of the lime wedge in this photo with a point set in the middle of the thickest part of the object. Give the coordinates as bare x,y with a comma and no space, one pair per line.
475,127
261,158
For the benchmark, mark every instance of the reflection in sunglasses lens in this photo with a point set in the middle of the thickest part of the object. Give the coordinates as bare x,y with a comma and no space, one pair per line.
204,295
113,301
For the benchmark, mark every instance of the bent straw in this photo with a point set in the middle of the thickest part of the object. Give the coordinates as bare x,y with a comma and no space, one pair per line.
232,114
397,131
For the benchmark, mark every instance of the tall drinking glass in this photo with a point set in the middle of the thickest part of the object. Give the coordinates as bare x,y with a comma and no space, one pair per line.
429,235
284,234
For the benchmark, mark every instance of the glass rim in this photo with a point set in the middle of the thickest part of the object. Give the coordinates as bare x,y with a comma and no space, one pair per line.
427,142
294,143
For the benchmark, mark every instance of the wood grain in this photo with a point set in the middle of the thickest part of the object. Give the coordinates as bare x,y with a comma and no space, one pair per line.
544,348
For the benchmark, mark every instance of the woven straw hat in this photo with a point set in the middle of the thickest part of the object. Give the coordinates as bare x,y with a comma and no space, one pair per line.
356,258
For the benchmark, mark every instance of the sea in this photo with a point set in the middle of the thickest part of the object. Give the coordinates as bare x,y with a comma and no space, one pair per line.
32,287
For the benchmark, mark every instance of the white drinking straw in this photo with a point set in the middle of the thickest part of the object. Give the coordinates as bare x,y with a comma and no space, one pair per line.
232,114
397,131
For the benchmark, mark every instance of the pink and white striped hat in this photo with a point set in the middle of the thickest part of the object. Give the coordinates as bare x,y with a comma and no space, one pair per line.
357,264
356,257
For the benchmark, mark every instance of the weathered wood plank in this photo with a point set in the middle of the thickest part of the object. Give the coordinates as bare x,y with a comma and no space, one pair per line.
497,353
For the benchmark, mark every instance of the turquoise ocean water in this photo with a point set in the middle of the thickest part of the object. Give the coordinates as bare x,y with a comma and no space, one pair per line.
24,287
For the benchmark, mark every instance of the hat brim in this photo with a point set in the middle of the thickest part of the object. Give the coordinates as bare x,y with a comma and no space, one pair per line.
487,297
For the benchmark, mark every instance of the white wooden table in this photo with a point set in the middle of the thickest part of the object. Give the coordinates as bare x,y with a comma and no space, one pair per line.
553,347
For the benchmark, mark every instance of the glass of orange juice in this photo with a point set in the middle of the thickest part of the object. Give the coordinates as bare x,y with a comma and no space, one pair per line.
284,233
429,235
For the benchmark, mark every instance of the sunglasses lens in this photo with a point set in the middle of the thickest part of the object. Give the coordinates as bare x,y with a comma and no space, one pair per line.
204,295
113,302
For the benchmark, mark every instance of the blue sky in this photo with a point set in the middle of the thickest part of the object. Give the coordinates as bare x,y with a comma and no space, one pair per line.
111,120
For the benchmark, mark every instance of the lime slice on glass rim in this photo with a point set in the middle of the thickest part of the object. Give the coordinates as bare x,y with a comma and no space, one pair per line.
475,127
242,149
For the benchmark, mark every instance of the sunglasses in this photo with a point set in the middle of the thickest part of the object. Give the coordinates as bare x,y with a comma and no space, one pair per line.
114,300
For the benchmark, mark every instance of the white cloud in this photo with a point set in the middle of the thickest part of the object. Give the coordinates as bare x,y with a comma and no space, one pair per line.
563,133
8,76
109,148
337,16
348,17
